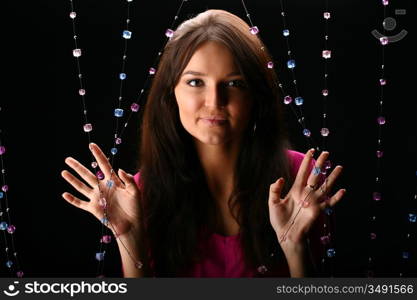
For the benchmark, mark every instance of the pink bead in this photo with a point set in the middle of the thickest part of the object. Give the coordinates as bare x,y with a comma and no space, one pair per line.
254,30
325,239
379,154
118,141
88,127
169,33
73,14
327,164
2,150
326,15
262,269
270,65
100,175
94,164
134,107
19,274
324,131
152,71
287,99
376,196
81,92
5,188
381,120
372,236
382,81
325,92
385,2
326,54
11,229
76,52
384,40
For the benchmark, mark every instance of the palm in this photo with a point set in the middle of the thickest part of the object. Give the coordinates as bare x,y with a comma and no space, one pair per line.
292,216
120,202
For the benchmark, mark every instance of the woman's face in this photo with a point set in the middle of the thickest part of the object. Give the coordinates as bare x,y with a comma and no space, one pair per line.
213,100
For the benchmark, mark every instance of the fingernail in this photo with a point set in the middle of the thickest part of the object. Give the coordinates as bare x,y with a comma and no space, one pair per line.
91,146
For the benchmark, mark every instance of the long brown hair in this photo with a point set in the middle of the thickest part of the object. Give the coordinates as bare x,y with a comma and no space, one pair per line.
177,202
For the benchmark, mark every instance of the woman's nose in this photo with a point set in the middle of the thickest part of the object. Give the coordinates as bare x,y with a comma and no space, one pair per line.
215,96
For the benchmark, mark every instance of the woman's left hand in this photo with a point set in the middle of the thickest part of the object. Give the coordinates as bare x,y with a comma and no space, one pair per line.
292,216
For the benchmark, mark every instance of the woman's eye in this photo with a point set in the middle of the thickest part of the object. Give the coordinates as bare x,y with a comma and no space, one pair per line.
194,82
236,83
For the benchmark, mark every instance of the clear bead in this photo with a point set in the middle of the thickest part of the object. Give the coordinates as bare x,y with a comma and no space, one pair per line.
326,15
382,81
100,255
325,92
384,40
285,32
406,255
73,15
385,2
81,92
113,151
262,269
122,76
324,131
372,235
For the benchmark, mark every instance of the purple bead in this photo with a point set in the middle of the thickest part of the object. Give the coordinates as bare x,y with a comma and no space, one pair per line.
382,81
372,236
376,196
76,52
381,120
325,239
102,202
94,164
379,154
11,229
254,30
169,33
306,132
106,239
385,2
270,65
327,164
5,188
287,99
325,92
2,150
100,175
134,107
19,274
326,15
81,92
152,71
118,141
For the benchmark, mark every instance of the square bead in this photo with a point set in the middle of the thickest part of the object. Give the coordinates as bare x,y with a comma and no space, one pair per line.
127,34
385,2
76,52
326,54
254,30
270,65
134,107
118,112
122,76
299,101
285,32
81,92
169,33
291,64
88,127
384,40
287,99
2,150
73,14
152,71
326,15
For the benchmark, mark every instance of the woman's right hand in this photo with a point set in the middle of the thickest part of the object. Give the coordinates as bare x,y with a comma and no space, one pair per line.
122,198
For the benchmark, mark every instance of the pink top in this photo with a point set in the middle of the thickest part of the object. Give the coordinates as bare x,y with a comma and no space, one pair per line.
223,256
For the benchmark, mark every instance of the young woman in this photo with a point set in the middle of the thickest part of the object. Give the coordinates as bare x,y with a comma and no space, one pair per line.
218,188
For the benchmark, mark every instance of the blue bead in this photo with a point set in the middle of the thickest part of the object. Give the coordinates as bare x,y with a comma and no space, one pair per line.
127,34
316,170
1,195
109,183
328,211
406,255
118,112
291,64
113,151
331,252
306,132
122,76
299,101
100,255
286,32
9,263
412,218
105,221
3,226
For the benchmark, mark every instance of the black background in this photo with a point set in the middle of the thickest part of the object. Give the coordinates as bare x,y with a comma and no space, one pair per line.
41,118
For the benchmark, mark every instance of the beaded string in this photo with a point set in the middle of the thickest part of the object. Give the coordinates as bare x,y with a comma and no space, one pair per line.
377,194
12,260
408,242
118,113
299,101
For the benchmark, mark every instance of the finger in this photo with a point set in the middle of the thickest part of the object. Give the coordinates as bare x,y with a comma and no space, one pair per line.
76,201
330,180
333,200
302,174
275,191
76,183
314,175
102,161
129,182
85,174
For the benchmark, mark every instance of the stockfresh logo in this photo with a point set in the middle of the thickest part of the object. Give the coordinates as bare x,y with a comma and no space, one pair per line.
12,289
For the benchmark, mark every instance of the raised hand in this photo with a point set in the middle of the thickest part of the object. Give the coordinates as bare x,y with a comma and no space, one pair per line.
292,216
121,199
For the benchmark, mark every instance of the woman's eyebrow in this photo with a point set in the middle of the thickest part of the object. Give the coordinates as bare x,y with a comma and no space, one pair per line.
234,73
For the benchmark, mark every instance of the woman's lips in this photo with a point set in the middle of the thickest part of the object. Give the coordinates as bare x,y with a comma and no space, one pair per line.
214,121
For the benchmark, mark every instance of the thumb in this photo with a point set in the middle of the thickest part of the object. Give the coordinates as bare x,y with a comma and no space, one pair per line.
275,191
128,180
